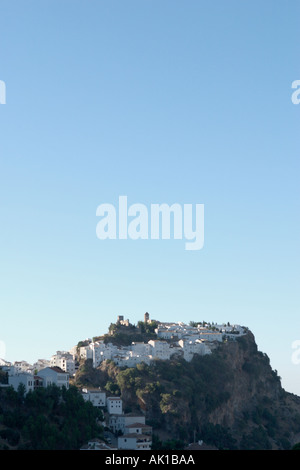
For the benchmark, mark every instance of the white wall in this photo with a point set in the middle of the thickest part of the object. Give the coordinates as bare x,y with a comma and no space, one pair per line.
114,405
22,378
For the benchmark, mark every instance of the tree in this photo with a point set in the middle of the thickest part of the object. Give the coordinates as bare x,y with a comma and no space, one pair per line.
112,388
21,392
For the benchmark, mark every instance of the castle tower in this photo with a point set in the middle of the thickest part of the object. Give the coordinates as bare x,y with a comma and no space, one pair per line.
146,318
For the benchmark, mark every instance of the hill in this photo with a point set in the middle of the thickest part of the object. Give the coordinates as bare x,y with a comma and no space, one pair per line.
231,398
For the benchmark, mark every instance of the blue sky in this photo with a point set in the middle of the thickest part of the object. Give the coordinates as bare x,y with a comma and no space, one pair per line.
165,102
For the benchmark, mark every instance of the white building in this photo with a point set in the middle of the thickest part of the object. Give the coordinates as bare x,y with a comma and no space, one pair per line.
114,405
23,366
190,348
100,351
134,442
140,349
96,397
169,330
54,376
138,428
64,360
23,378
97,444
210,335
86,352
4,363
138,358
41,364
73,351
160,349
121,422
131,360
193,338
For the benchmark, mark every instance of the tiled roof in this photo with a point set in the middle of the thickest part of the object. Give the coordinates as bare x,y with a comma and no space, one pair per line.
58,370
138,425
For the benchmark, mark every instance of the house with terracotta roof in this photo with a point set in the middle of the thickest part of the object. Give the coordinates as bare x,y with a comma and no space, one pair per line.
121,422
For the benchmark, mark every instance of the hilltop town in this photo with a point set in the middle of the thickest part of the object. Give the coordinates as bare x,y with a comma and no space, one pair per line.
167,340
154,385
170,339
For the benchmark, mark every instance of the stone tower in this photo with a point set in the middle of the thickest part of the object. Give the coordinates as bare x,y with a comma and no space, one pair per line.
146,318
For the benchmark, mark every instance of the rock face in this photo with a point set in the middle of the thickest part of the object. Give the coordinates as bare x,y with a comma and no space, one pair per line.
229,399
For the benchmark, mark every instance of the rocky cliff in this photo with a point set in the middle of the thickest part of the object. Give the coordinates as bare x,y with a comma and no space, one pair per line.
231,398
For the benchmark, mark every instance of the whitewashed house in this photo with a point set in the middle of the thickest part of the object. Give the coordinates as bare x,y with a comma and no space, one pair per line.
86,352
102,351
41,364
164,333
23,366
134,442
210,335
140,349
23,378
131,360
96,397
64,360
114,405
138,358
190,348
4,363
121,422
55,376
160,349
138,428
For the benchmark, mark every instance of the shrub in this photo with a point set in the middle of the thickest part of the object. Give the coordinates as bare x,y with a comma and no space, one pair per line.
12,436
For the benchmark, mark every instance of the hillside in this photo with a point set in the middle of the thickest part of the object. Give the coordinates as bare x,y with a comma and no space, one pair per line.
46,419
231,398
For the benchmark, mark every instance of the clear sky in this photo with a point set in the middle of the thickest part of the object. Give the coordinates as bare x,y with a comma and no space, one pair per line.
164,101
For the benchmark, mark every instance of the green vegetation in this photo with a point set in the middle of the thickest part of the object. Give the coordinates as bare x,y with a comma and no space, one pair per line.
257,439
230,399
167,389
218,436
3,377
122,335
171,444
184,399
48,418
